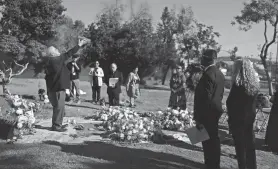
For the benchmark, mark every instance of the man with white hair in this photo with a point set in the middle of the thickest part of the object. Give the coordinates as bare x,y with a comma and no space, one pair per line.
58,80
114,89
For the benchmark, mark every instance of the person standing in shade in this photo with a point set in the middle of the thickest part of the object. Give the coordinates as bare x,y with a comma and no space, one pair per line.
177,85
96,74
132,86
241,109
114,89
58,80
208,107
75,69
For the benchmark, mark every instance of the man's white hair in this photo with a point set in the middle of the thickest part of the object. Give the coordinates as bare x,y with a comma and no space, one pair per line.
50,50
114,64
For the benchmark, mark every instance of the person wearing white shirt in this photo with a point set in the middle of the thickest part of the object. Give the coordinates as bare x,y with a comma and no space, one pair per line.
96,74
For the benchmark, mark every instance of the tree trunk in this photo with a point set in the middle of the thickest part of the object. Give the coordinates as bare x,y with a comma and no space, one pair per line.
269,80
3,86
165,74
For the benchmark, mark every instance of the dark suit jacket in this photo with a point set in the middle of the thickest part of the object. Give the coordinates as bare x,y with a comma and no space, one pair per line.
241,107
208,96
57,74
77,71
117,89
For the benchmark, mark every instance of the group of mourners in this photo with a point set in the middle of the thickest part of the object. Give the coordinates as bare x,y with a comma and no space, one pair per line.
241,102
62,81
241,108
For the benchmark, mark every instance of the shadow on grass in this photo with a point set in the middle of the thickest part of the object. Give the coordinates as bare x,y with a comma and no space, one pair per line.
259,143
126,158
149,87
82,106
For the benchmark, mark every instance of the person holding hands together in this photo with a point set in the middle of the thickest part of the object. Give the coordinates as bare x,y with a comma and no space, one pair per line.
96,74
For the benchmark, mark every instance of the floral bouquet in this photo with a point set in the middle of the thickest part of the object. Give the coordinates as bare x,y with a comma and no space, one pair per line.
22,112
126,125
177,120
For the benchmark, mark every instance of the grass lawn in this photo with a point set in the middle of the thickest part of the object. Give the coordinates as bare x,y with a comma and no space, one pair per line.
111,155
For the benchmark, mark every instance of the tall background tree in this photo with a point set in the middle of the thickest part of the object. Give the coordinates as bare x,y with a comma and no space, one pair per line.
27,28
266,13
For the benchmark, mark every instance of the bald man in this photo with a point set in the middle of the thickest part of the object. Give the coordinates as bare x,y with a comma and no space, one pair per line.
58,80
114,91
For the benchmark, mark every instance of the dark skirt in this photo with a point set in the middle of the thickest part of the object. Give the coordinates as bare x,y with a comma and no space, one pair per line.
271,138
178,100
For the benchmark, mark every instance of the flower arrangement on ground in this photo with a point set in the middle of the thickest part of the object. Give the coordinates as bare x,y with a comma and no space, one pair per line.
177,120
22,112
124,124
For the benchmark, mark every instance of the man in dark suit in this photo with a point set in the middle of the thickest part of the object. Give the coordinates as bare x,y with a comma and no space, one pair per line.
208,107
58,80
114,90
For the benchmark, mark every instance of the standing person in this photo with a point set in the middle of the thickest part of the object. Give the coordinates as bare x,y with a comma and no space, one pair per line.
271,139
114,90
96,74
57,81
208,107
132,86
177,85
241,106
75,69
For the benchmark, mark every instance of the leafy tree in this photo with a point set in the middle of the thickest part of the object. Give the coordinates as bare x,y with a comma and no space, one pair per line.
30,19
170,27
197,39
66,33
255,12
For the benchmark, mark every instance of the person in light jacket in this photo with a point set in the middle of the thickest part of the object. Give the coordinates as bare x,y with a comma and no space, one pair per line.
96,74
132,86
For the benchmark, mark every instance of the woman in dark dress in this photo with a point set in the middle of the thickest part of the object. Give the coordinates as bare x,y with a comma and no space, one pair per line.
177,85
241,109
271,138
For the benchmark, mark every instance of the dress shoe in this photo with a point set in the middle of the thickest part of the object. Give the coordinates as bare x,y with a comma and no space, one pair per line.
59,129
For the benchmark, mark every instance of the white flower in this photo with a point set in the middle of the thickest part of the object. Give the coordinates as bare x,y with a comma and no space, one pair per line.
129,133
32,120
175,112
46,101
31,104
160,112
130,116
128,137
19,112
122,136
16,96
104,117
22,119
134,131
19,125
17,103
141,126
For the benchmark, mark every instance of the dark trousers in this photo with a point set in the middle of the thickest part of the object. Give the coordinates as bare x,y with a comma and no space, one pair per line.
244,139
114,98
57,100
211,147
96,93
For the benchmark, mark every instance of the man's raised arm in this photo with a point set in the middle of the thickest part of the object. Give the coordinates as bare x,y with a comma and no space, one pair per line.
69,54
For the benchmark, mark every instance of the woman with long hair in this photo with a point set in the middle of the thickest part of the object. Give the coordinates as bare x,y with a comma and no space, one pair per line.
177,85
241,108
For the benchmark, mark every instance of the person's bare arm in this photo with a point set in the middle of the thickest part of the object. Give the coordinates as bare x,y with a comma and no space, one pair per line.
69,54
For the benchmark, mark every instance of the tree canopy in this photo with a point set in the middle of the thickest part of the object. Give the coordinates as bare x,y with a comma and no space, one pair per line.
256,12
